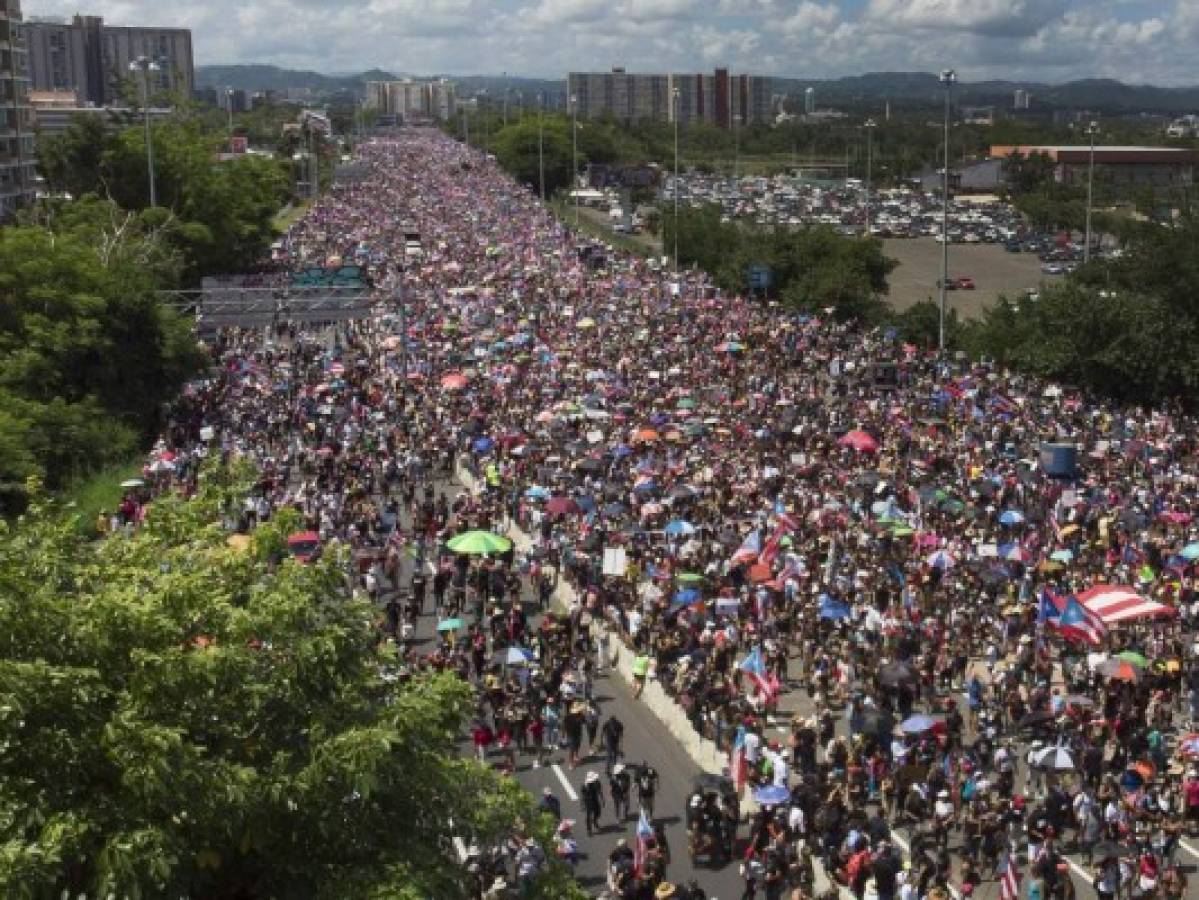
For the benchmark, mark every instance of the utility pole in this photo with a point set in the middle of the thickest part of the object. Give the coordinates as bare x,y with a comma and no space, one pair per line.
146,65
540,147
574,153
948,77
674,94
1092,130
869,126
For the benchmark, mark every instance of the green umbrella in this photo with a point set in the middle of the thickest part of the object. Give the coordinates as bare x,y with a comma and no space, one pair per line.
689,577
1135,658
686,403
902,531
449,625
478,542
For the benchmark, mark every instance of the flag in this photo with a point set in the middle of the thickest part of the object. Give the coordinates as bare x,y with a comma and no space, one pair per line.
755,667
749,549
1050,609
645,833
1079,623
737,764
1009,882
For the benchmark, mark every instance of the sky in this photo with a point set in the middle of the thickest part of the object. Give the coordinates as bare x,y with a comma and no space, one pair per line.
1136,41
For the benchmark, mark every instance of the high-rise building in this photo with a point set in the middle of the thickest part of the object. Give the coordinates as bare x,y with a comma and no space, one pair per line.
410,99
92,59
17,157
720,98
809,101
1021,99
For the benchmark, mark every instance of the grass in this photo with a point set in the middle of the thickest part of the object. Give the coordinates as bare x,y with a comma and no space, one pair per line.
100,491
290,214
593,223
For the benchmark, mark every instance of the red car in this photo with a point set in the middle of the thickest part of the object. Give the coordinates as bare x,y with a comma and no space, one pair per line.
304,545
965,284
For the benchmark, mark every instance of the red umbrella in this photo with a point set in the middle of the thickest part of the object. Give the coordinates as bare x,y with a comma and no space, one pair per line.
455,381
859,440
561,506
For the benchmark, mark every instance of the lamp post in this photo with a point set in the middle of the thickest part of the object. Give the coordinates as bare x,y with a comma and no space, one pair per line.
229,109
574,153
869,125
1092,130
948,77
505,99
540,148
674,95
146,65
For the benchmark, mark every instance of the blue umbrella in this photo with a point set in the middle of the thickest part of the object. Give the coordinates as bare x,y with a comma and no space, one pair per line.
679,528
646,486
514,656
586,503
621,450
917,724
483,444
832,609
1062,556
1190,551
1011,517
538,493
686,597
771,795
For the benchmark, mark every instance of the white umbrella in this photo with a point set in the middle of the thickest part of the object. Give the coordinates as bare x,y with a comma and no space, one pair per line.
1054,759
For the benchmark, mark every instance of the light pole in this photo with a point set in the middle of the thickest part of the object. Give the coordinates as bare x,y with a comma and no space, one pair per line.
870,125
737,150
948,77
574,153
146,65
505,99
1092,130
674,95
229,109
540,148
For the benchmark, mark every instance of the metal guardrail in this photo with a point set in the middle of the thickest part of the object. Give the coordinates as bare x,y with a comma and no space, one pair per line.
237,307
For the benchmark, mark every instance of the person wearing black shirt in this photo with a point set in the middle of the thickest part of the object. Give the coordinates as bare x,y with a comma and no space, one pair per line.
647,786
592,795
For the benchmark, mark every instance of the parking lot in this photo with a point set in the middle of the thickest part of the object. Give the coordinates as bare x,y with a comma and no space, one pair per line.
994,270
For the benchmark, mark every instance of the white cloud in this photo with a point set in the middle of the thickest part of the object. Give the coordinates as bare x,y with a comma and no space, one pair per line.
1001,18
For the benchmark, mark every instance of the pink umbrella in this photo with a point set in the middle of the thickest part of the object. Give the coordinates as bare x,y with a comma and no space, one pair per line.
859,440
455,381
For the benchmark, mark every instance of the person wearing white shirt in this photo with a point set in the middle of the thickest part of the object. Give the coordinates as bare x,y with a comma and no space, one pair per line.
753,747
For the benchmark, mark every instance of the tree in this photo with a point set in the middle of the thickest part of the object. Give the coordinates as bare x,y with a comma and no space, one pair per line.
182,718
516,148
1027,174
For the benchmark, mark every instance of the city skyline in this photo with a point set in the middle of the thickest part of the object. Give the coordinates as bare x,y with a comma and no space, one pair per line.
1136,41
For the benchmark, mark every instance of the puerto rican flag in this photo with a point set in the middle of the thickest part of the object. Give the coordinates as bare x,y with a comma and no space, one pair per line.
1080,624
1050,609
749,549
1009,881
645,833
755,667
737,765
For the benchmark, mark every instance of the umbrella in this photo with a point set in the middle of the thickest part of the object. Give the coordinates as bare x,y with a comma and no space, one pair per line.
1119,670
896,673
455,381
132,483
917,724
478,542
513,656
586,323
689,577
686,597
729,347
483,444
1062,556
449,625
1136,659
679,528
771,795
1190,552
1189,745
942,559
759,573
644,435
1054,759
860,441
1011,517
538,493
1112,850
561,506
1035,719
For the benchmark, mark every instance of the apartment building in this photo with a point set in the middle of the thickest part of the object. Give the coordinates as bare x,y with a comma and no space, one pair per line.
722,99
17,157
412,99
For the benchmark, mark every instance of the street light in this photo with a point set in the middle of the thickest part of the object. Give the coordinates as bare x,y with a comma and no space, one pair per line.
540,148
1092,130
948,77
869,125
574,153
229,108
674,94
146,65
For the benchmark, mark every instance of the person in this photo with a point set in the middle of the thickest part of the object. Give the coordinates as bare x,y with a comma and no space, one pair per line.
620,864
647,786
640,672
530,859
612,732
550,804
592,796
620,786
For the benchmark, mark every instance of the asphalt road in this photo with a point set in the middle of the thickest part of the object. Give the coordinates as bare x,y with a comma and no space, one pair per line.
645,740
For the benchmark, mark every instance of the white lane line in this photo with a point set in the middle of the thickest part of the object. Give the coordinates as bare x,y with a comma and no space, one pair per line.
570,792
1189,848
1087,877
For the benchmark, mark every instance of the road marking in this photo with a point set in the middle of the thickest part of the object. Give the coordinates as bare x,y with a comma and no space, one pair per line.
570,792
906,848
1189,848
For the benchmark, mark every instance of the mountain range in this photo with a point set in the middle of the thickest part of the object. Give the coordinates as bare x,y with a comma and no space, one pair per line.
900,88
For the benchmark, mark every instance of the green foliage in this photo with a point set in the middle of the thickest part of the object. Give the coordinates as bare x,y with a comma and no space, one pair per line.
180,718
920,324
516,148
87,353
222,210
1026,174
813,268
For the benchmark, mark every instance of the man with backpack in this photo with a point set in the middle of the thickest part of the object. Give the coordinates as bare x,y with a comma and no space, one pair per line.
647,786
612,733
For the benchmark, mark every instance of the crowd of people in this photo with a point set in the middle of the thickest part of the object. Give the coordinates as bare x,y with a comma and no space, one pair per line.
811,530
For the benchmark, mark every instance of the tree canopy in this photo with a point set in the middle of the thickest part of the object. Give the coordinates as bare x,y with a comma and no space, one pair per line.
184,718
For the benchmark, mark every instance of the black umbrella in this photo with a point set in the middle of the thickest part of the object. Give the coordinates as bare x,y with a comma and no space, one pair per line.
1112,850
896,673
1035,719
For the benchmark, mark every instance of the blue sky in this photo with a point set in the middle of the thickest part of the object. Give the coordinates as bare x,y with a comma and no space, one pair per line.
1138,41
